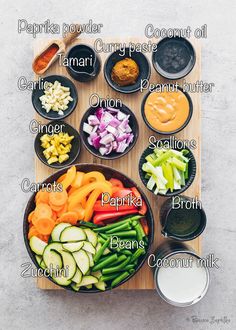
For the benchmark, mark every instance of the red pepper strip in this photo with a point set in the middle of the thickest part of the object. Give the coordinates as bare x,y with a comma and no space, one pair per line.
108,208
101,216
121,193
116,183
143,208
144,224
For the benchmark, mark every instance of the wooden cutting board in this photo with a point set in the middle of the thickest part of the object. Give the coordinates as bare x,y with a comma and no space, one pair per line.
129,163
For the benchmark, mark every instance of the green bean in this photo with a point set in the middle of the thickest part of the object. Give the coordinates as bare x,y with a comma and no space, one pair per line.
134,223
109,277
105,263
131,271
124,226
113,225
99,253
137,254
128,233
126,252
88,224
119,278
129,267
139,231
101,240
117,268
120,259
104,236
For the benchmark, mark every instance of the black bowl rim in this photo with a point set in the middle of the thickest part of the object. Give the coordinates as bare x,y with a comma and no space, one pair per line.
179,191
169,76
184,239
150,221
77,137
130,147
46,116
119,89
178,129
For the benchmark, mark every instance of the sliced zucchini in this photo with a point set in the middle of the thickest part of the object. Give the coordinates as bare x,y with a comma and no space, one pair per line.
89,286
55,235
77,277
92,236
36,245
97,274
75,287
82,260
38,259
72,234
100,285
69,264
56,247
42,265
88,247
61,280
73,247
99,245
87,280
91,262
52,259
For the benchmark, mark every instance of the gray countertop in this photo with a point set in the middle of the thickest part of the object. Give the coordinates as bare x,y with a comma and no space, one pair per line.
23,306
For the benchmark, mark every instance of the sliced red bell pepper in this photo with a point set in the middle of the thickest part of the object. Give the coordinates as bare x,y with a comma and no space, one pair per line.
143,208
108,208
121,193
116,183
144,224
103,216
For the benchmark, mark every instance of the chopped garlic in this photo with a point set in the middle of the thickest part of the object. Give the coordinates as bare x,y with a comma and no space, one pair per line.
56,97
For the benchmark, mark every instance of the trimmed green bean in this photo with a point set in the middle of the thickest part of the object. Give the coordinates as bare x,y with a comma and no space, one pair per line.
137,254
117,268
128,233
88,224
124,226
109,277
105,263
131,271
139,231
126,252
129,267
119,278
101,240
104,236
120,259
99,253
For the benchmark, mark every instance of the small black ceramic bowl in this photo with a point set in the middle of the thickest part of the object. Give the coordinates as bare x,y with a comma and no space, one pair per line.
144,70
39,91
109,173
178,129
192,168
174,58
58,126
113,155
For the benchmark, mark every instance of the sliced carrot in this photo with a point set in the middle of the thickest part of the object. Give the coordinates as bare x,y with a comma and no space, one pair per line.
69,178
30,216
69,217
90,204
54,215
44,238
63,210
58,198
61,178
42,197
44,225
32,232
42,210
56,208
77,183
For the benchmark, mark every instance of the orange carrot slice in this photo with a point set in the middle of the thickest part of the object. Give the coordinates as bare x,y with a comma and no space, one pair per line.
44,225
42,197
42,210
30,216
63,210
32,232
69,217
58,198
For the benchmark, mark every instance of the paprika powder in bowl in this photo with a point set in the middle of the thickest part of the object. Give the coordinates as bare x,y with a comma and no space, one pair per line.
167,112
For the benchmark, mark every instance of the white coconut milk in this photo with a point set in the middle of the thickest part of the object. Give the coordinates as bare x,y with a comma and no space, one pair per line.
184,280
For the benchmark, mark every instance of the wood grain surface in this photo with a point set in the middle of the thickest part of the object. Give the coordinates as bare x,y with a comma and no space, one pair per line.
129,163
